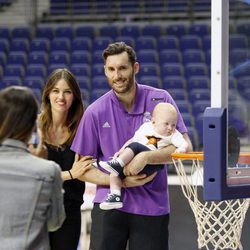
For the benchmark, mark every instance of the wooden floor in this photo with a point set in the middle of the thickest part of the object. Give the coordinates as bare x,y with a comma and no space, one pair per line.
182,228
85,236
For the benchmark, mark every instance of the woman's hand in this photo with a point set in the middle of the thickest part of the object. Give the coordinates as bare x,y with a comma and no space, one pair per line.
81,166
40,150
138,180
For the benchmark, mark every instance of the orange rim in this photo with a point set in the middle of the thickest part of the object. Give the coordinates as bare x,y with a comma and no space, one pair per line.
244,157
188,156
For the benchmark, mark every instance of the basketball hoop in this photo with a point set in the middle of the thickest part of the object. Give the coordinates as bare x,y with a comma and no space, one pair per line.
219,223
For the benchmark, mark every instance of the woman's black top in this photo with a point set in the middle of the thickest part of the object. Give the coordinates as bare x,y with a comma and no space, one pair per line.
64,157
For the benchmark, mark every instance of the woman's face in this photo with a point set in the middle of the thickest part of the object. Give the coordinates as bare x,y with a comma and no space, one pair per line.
61,96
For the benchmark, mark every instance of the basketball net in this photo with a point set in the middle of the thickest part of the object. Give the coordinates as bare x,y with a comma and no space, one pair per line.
219,224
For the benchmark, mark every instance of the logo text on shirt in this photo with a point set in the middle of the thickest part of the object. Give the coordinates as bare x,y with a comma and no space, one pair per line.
157,99
106,125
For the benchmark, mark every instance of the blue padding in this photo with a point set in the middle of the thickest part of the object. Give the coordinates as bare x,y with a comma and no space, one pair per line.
215,160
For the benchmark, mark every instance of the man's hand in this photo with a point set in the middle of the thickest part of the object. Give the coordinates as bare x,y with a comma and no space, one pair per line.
137,180
136,165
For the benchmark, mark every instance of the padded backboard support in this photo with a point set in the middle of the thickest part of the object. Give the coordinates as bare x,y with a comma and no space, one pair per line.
215,150
216,158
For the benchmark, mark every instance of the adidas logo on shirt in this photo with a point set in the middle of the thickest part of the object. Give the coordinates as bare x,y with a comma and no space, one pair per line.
106,125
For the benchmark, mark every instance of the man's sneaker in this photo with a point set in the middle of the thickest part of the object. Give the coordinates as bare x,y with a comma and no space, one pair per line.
112,201
112,166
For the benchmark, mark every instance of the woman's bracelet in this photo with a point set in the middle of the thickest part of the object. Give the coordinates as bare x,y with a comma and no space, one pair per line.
70,175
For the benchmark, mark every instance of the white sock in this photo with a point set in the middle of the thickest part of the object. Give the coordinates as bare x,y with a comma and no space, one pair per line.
120,161
116,191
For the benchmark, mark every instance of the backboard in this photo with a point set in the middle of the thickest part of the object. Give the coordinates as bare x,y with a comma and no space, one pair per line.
226,127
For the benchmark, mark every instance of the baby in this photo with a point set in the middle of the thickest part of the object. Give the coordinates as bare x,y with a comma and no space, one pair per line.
158,133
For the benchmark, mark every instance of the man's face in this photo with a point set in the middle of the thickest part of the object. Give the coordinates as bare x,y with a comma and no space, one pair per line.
120,73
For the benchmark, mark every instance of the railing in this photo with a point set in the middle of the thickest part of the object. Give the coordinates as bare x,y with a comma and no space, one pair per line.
33,12
134,10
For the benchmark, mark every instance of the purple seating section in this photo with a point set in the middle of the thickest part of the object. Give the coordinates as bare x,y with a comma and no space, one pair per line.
174,57
5,3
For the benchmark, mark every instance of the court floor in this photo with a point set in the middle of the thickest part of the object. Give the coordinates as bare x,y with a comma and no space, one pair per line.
182,228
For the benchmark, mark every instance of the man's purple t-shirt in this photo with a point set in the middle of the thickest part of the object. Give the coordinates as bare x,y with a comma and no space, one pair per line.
103,130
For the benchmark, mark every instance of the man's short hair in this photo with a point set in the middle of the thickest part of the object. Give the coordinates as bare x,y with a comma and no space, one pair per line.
118,48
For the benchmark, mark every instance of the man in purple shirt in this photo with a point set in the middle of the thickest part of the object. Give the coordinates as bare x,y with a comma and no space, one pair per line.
106,125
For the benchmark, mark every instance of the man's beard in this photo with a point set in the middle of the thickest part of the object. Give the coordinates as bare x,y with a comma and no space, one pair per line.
126,88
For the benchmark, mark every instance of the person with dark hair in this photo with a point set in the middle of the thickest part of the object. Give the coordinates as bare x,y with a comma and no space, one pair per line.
30,187
61,111
106,125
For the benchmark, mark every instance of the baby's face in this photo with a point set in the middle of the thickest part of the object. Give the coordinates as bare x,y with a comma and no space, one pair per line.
165,124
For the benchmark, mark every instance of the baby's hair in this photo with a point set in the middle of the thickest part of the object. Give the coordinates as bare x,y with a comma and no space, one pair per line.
166,107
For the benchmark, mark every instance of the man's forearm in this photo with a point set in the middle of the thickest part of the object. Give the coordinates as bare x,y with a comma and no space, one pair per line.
154,157
160,156
95,176
98,177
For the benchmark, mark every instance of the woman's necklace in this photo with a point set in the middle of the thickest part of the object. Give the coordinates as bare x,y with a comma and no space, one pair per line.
58,137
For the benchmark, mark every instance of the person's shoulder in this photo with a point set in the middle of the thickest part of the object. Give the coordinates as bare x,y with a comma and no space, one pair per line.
177,134
44,167
156,94
177,131
146,125
100,103
148,88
